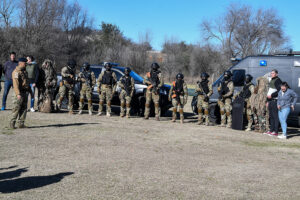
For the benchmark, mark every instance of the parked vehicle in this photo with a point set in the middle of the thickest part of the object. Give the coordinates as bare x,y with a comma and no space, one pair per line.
287,64
138,100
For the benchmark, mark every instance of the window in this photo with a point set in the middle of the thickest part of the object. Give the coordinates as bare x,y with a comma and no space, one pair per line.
238,77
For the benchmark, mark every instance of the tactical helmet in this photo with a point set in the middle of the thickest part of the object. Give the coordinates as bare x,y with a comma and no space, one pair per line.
71,63
228,73
154,66
179,76
204,75
127,69
86,66
248,78
107,65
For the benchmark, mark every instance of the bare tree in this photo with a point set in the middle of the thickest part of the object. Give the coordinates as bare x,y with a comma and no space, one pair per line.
243,31
7,8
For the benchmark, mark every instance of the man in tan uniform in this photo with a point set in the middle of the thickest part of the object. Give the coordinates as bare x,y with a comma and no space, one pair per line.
154,81
204,90
126,84
88,80
106,87
21,88
225,90
178,94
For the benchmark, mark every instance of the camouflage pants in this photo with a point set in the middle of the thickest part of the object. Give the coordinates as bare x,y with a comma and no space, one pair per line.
225,111
149,97
125,100
105,95
85,92
202,105
249,113
19,110
177,104
63,90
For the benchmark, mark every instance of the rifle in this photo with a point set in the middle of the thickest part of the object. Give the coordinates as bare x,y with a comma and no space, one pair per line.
202,93
87,79
155,82
126,88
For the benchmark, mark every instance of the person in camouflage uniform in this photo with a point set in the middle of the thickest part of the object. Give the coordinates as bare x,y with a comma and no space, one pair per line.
67,84
88,80
246,93
204,90
178,94
226,90
46,83
21,88
106,87
126,83
154,81
258,103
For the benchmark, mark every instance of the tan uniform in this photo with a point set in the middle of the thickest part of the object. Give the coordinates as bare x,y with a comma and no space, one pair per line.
67,86
204,90
88,80
127,89
248,110
21,87
152,93
225,102
106,87
179,99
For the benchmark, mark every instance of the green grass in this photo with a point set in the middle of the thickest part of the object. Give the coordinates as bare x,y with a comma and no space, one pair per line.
271,144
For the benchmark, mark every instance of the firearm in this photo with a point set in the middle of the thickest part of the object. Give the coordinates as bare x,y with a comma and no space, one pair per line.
126,88
155,82
87,79
202,92
221,93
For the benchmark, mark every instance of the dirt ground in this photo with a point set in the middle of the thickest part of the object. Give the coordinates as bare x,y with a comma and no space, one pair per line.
90,157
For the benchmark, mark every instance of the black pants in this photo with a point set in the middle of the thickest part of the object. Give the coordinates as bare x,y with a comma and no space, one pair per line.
273,114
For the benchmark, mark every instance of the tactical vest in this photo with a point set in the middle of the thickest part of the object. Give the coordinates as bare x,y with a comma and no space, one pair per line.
68,79
126,82
246,93
224,87
272,82
107,78
177,89
204,87
88,77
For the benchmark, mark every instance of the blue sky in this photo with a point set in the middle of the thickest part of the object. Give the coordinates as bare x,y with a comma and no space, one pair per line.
180,19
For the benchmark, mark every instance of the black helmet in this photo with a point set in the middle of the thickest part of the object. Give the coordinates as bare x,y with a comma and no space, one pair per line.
179,76
86,66
107,65
228,73
154,66
127,69
248,78
71,63
204,75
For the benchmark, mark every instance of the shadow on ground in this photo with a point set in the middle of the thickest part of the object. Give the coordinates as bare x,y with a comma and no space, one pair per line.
61,125
31,182
13,174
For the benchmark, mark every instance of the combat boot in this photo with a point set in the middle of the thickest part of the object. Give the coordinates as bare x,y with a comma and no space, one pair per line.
99,113
71,112
181,115
80,112
200,117
248,129
146,117
157,117
90,112
21,125
174,115
122,109
228,125
108,114
12,124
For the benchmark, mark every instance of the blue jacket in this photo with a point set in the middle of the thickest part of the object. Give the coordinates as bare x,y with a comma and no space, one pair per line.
8,68
288,99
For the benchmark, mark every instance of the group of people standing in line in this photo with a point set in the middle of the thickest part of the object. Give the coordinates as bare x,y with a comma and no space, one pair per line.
267,103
